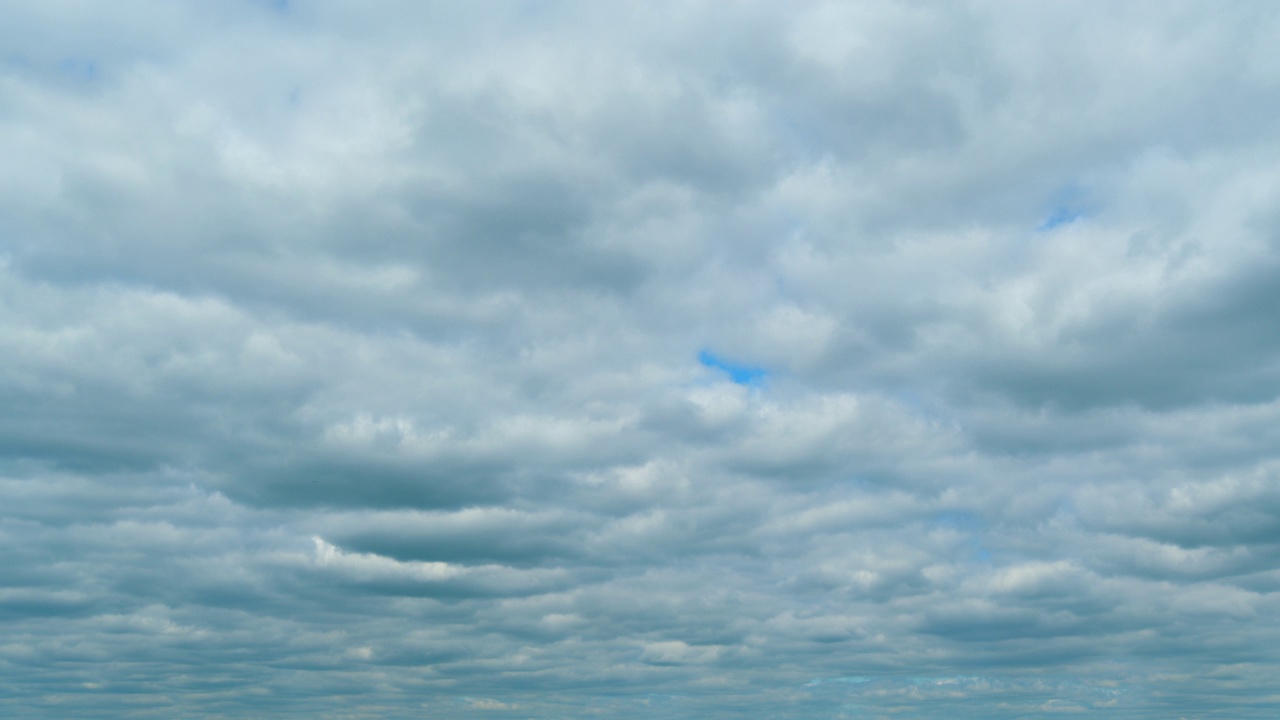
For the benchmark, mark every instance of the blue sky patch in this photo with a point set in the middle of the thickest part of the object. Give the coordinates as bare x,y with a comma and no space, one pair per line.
1066,206
1059,217
737,372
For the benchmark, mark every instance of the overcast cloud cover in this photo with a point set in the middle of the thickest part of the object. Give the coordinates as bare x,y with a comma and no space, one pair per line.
639,360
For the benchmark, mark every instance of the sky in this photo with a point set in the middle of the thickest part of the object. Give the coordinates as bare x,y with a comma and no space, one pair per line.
398,360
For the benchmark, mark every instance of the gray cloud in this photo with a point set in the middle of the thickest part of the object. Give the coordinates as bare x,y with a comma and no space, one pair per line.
547,359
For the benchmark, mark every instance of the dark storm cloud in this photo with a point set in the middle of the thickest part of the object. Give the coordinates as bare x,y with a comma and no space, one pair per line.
547,359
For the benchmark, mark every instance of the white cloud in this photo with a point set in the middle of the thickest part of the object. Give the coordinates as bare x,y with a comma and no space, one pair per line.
351,359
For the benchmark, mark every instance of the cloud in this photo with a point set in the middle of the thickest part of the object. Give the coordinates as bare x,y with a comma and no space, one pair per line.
696,360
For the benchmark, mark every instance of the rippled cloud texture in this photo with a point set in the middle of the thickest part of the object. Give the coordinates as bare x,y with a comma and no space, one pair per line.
639,360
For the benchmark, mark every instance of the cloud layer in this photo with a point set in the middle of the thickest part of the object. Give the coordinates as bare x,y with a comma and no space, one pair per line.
679,359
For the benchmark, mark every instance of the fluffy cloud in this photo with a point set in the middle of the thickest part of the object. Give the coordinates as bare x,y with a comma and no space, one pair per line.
551,359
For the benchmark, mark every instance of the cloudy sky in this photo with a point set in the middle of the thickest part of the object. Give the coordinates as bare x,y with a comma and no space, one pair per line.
402,359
